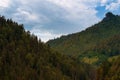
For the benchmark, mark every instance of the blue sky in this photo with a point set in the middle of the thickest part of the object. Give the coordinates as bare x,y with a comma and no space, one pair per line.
49,19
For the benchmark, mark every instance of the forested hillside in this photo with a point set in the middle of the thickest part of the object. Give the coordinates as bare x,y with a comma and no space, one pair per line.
98,45
93,54
24,57
77,43
94,45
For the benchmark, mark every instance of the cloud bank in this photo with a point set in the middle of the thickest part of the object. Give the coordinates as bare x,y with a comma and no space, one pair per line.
49,19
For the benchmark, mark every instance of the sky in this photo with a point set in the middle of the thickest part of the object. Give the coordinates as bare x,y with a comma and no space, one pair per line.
49,19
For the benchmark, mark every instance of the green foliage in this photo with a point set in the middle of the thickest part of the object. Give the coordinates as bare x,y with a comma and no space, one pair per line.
77,43
109,70
103,50
98,45
24,57
101,40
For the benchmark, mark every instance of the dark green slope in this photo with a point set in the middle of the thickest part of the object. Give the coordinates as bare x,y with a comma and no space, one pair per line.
103,51
78,43
98,45
24,57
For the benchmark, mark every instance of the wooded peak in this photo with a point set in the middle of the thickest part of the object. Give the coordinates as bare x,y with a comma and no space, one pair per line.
110,14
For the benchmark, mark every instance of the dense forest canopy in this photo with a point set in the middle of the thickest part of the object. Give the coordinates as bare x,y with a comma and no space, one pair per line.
75,44
24,57
98,45
93,54
93,45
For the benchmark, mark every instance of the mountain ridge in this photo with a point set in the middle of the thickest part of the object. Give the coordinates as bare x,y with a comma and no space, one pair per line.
24,57
86,38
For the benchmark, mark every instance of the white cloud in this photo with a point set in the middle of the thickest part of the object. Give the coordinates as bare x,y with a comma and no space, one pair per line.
113,6
70,4
24,2
80,11
24,16
27,14
4,3
55,16
103,2
44,35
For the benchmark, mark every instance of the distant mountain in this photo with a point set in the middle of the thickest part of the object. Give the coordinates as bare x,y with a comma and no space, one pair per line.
24,57
93,45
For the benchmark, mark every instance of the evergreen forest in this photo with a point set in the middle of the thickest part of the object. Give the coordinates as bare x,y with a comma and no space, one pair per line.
92,54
